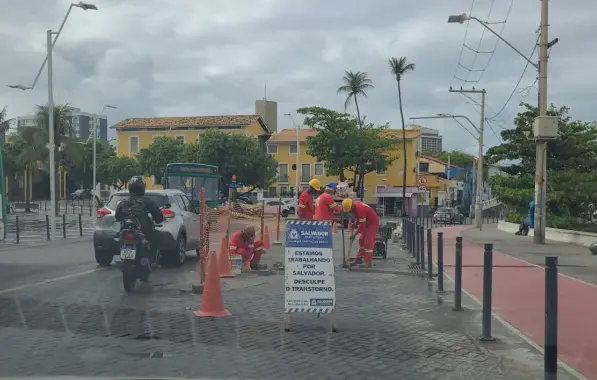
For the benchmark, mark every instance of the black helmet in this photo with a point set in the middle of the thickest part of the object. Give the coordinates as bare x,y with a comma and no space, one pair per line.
137,185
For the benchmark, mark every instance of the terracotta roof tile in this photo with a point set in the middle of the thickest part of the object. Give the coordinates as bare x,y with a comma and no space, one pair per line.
289,135
189,121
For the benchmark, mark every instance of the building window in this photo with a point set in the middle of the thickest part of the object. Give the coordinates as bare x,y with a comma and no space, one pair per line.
319,170
180,139
272,192
134,144
305,172
382,172
424,167
283,173
272,148
292,148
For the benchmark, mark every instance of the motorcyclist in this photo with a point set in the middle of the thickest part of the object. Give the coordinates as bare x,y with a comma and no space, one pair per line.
136,187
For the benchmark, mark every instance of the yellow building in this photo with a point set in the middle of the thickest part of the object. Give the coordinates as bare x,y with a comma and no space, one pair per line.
282,146
135,134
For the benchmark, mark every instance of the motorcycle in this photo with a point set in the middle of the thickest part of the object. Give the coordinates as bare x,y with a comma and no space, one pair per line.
135,254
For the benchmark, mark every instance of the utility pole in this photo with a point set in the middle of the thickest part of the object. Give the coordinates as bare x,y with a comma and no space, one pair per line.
541,153
479,180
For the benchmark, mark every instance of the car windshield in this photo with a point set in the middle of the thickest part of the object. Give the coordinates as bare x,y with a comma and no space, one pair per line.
192,185
160,199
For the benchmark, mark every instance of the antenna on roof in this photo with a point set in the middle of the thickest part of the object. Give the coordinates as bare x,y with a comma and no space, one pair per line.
265,91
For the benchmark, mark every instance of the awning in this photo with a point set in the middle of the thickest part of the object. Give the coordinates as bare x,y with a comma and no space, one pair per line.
392,195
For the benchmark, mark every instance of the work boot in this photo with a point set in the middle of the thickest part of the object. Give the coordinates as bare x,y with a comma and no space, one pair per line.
357,261
258,266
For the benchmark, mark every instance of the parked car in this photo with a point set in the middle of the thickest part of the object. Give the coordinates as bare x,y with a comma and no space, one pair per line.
81,194
178,233
284,207
448,215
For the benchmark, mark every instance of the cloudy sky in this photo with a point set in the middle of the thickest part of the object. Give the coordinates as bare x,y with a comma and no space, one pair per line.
200,57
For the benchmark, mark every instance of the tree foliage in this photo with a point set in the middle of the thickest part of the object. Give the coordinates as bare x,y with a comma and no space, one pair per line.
233,154
571,164
342,143
456,158
162,151
116,171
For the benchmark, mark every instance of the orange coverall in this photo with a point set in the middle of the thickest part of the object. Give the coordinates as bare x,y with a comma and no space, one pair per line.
305,206
250,251
326,207
368,224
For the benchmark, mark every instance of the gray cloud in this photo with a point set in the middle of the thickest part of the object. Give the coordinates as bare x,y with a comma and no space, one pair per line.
153,57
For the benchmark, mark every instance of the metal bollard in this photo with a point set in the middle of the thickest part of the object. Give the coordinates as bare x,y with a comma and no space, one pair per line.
80,226
18,230
407,236
458,276
47,227
487,290
64,226
422,247
412,238
440,263
416,244
429,255
550,357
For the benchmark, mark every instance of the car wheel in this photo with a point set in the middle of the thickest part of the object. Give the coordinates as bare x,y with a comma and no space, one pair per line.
177,257
103,258
291,210
285,213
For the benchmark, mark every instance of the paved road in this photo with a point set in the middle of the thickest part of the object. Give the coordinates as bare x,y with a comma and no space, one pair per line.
519,293
79,322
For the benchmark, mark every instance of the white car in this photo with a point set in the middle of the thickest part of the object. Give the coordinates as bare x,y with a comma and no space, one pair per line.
285,209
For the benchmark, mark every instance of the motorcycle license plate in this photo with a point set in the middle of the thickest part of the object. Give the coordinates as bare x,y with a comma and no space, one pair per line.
128,253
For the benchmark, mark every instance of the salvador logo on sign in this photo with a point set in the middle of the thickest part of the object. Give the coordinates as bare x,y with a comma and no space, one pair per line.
293,234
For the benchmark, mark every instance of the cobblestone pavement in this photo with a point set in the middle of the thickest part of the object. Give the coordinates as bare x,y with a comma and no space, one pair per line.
390,327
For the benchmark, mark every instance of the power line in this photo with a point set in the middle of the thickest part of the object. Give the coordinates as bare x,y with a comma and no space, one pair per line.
477,50
526,66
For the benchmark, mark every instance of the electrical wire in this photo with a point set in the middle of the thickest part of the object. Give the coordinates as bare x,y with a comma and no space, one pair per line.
477,51
526,66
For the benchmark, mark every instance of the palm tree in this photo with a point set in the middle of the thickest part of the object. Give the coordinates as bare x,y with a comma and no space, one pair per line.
356,83
399,67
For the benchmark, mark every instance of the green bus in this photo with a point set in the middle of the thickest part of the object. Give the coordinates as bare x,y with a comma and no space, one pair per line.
190,178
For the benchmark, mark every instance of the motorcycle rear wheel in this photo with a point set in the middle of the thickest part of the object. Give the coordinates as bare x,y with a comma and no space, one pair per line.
129,276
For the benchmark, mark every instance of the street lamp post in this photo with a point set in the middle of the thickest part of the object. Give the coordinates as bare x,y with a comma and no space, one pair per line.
298,153
51,146
545,127
479,179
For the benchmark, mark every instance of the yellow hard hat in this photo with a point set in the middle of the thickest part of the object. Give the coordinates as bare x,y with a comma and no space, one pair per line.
314,183
347,205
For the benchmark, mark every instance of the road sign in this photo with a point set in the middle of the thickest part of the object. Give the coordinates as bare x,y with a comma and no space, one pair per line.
422,189
422,180
309,269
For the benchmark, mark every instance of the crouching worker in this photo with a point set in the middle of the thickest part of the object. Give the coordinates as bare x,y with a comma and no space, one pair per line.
367,226
243,243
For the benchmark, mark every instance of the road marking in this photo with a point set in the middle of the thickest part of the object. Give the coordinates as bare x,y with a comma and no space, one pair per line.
48,281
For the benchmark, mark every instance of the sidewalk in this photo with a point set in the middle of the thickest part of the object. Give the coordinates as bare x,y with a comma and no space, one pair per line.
518,289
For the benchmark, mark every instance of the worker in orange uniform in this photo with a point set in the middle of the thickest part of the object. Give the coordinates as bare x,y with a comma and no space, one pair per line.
243,243
306,209
326,206
367,226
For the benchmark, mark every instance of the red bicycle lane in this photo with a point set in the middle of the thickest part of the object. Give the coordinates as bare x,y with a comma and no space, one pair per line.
519,299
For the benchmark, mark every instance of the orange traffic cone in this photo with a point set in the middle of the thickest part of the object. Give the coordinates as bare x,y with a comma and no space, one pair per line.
212,303
224,267
266,242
